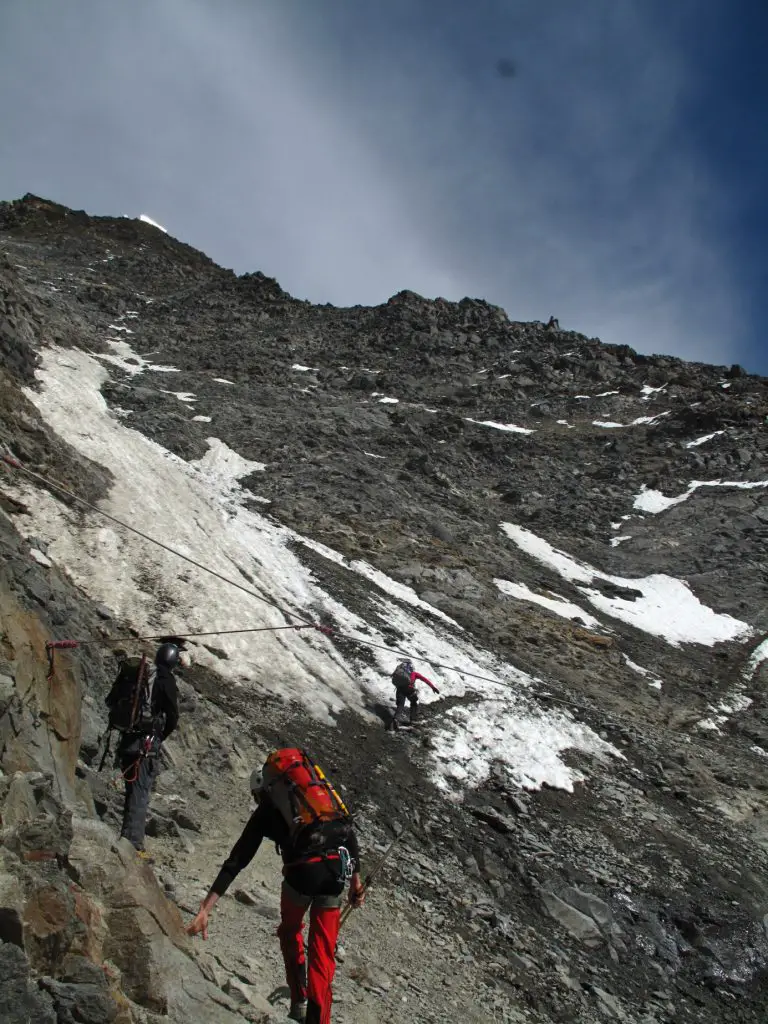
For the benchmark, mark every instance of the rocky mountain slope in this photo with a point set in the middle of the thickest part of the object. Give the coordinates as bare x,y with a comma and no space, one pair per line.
569,537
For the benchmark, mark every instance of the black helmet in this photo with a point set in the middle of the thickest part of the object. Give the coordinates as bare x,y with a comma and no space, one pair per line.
167,655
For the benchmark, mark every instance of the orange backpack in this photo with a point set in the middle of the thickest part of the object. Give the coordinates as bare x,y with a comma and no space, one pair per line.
300,791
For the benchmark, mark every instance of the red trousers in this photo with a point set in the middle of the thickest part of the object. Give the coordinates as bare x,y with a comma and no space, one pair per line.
313,982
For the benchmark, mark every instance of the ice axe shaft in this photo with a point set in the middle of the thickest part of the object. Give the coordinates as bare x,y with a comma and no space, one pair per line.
370,876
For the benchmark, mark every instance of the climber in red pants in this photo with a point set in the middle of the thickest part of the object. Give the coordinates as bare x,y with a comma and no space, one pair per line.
316,867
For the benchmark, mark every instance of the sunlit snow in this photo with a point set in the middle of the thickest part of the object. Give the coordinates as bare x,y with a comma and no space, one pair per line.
554,604
667,607
649,500
755,660
657,684
183,396
201,419
148,220
510,427
126,359
197,509
704,439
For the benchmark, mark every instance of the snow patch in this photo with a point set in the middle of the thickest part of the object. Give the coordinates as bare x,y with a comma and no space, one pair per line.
201,419
666,608
647,391
555,604
510,427
530,746
734,704
755,660
704,439
649,500
619,539
223,380
304,369
657,684
129,361
223,466
183,396
153,223
634,423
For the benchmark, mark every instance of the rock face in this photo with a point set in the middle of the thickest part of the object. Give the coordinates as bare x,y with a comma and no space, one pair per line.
403,435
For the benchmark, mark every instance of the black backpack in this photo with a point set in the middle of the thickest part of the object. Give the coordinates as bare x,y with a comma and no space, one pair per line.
401,677
130,699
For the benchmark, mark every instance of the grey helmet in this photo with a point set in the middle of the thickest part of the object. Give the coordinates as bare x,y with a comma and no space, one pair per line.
168,655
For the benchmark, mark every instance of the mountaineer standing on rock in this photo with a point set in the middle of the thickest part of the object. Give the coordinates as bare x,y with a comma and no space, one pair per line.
144,708
404,681
299,810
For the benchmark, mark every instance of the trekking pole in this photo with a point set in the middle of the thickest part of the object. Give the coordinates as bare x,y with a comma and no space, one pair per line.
371,875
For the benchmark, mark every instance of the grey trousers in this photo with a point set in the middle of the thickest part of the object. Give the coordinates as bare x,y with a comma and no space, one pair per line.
401,696
139,781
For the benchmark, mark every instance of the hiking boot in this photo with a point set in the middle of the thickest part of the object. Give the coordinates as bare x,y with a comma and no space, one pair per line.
298,1010
147,858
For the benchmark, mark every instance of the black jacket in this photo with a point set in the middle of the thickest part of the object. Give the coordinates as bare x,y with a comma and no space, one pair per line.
267,822
165,708
165,700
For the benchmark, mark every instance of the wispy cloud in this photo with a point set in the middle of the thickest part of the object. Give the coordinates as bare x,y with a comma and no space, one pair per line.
352,153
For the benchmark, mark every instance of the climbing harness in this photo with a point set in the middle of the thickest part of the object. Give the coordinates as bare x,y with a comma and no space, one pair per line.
345,864
369,878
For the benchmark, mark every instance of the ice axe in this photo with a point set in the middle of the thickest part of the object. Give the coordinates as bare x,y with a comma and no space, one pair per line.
371,875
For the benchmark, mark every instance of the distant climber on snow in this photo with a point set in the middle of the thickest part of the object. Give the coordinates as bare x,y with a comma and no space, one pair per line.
404,681
300,811
144,708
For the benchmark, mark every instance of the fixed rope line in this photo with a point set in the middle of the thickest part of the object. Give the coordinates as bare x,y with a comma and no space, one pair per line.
184,636
15,464
305,623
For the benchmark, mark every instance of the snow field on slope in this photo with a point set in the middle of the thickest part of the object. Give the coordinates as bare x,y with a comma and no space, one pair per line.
667,607
196,509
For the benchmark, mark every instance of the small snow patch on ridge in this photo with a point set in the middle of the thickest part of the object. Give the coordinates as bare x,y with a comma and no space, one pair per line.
510,427
704,439
655,683
153,223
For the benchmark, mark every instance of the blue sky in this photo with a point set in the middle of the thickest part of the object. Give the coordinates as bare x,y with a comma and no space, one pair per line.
352,148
